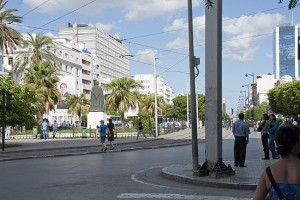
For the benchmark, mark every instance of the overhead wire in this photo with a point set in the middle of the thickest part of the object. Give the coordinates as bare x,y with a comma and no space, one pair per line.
33,9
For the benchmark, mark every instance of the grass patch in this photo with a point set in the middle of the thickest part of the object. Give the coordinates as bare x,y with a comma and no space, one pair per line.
10,145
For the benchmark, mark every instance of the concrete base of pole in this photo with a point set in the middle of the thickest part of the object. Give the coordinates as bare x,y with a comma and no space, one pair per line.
219,170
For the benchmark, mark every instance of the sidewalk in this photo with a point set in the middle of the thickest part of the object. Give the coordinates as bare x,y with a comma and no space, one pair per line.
244,179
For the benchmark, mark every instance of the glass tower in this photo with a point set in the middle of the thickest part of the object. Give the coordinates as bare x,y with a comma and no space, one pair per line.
285,47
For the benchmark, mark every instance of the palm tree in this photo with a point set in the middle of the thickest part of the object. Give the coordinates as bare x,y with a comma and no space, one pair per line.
35,48
78,105
148,104
44,78
123,95
9,37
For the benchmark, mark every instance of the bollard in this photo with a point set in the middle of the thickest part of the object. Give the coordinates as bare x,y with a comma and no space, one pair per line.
73,131
90,131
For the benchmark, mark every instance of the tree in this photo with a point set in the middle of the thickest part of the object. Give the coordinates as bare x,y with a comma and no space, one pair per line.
259,110
9,37
123,95
34,49
23,104
285,98
43,76
78,105
292,3
147,103
225,115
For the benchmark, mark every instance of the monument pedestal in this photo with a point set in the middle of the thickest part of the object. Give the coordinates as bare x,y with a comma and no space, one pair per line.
93,119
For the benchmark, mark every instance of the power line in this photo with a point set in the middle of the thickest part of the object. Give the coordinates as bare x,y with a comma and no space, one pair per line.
65,15
35,8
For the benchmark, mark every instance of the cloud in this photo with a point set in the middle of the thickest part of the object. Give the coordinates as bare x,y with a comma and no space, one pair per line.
106,27
243,32
240,34
146,55
131,9
181,41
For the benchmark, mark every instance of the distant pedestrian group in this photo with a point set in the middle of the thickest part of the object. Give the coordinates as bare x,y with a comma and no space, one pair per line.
109,131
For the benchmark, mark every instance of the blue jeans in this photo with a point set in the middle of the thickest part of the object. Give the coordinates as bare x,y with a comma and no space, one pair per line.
140,132
45,134
272,145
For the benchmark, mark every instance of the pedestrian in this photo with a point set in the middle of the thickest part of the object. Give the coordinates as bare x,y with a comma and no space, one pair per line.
264,128
97,131
241,131
55,128
281,180
229,124
103,131
44,129
140,130
272,130
111,133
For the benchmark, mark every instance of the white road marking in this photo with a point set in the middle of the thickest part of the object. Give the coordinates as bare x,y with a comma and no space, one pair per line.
134,178
175,196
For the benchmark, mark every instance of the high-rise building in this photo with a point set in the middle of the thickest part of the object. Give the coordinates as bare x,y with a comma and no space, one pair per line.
109,54
147,81
286,59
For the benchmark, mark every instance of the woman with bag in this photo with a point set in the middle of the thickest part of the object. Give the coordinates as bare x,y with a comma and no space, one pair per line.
282,179
111,133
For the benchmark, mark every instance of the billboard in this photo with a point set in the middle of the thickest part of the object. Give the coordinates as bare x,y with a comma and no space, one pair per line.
66,87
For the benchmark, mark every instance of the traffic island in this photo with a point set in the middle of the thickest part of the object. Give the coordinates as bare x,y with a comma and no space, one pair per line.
184,174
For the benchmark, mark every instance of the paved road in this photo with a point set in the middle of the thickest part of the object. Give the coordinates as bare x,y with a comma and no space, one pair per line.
115,175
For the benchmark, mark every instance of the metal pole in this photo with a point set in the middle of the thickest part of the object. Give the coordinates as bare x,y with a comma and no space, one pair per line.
155,98
192,86
197,106
3,119
187,104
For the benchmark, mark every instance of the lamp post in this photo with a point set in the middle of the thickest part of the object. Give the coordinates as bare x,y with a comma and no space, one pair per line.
244,97
248,93
155,99
246,75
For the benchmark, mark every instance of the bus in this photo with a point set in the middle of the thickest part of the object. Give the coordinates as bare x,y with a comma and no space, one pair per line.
115,119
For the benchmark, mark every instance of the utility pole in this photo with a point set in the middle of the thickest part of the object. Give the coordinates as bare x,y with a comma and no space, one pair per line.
3,119
213,166
155,99
195,153
187,104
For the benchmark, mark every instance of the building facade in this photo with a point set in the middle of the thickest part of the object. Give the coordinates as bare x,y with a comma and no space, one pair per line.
264,83
110,56
286,58
163,90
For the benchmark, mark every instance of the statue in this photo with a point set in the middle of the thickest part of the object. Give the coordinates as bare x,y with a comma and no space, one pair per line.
97,98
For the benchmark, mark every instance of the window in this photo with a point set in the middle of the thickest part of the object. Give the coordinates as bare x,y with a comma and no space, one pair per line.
66,55
10,61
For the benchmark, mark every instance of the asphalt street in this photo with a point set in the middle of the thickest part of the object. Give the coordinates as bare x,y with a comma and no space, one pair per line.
114,175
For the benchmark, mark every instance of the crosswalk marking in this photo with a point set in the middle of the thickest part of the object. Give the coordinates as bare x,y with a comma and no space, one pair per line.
175,196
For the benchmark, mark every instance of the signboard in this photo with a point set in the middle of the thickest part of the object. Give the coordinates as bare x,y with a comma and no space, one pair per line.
94,63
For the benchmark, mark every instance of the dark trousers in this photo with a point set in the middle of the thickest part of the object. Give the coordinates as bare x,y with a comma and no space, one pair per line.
264,140
240,146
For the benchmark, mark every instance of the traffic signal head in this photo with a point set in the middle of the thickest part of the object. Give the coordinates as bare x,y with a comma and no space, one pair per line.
9,99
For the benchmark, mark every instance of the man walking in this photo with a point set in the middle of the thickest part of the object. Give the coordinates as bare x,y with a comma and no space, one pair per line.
44,129
55,128
140,131
240,130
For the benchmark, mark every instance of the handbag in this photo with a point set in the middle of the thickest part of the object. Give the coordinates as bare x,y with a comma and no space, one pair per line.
274,184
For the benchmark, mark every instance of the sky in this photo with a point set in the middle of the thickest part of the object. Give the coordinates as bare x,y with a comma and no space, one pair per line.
158,28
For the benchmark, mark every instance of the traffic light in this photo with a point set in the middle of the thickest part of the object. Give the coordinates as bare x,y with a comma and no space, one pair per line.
9,99
232,111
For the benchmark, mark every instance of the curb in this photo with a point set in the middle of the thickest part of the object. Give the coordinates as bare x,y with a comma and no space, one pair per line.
82,146
208,182
95,152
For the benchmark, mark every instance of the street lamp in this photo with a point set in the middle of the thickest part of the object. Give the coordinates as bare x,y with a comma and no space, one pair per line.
244,96
248,74
248,92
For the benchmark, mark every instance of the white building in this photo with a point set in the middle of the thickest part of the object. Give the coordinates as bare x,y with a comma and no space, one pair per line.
110,54
147,81
264,83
